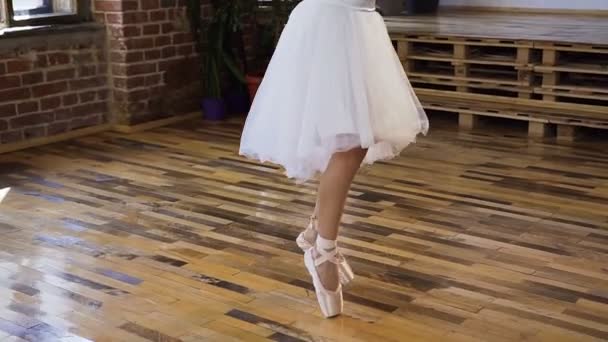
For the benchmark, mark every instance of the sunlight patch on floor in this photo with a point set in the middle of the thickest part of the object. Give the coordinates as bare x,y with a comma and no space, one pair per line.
3,193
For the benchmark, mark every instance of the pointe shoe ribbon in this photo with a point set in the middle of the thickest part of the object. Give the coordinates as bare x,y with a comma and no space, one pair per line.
306,240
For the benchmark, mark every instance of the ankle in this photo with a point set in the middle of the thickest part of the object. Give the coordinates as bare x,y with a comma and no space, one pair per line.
310,233
326,244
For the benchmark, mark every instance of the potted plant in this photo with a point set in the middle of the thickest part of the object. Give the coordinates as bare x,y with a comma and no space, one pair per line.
236,95
218,60
270,25
421,6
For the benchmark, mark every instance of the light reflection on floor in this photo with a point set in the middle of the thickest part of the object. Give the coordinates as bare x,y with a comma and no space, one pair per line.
3,193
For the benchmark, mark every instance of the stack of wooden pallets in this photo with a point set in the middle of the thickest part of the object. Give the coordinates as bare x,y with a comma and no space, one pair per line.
549,84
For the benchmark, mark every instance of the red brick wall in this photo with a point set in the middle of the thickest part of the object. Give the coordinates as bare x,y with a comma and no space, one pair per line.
139,65
154,67
47,90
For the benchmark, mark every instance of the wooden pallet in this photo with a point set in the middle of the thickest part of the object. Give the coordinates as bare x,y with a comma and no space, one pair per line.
506,89
581,91
562,46
568,68
568,75
574,96
540,115
492,62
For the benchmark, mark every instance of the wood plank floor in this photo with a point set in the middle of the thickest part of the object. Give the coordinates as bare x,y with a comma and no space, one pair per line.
167,235
583,29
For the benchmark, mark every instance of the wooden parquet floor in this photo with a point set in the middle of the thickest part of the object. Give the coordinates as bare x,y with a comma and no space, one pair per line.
167,235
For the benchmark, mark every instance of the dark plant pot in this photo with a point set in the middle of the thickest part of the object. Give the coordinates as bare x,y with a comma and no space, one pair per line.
421,6
213,109
390,7
253,83
237,101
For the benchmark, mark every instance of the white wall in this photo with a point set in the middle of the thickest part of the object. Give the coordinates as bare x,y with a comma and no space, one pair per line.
553,4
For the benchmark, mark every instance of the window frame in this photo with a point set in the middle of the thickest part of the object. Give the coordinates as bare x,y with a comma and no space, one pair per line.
82,14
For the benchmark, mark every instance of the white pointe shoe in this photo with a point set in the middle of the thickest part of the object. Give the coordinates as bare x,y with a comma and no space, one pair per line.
331,302
306,242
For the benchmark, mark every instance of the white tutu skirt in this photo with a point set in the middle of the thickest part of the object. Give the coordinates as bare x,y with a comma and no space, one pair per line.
334,83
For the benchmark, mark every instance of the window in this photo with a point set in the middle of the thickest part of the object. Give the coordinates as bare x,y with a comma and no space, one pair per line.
40,12
26,8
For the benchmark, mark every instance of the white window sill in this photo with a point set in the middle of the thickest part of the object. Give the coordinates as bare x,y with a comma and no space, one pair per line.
24,31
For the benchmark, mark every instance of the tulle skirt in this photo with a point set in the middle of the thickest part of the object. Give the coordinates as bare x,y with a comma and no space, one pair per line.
334,83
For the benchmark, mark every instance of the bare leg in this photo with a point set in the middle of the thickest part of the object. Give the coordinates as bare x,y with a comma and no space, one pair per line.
331,198
310,233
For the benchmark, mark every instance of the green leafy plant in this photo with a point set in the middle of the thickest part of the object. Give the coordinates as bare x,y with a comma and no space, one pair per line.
214,39
271,21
